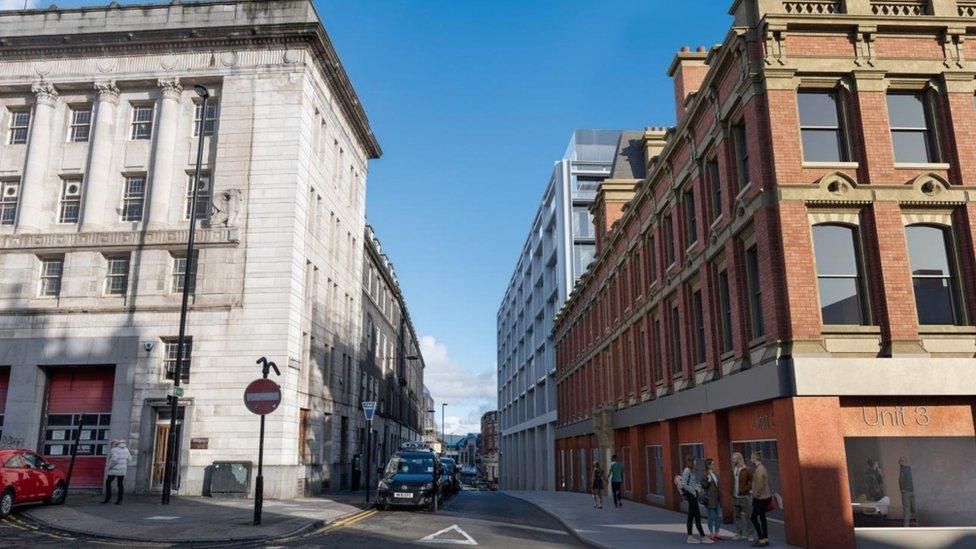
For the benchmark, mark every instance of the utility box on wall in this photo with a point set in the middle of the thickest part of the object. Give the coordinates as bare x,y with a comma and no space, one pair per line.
229,479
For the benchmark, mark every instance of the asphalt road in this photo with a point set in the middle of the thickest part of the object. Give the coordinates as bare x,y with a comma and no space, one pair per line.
485,519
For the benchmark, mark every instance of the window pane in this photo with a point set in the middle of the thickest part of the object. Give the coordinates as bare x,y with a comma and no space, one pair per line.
927,250
933,300
906,110
817,109
839,302
834,250
911,146
822,146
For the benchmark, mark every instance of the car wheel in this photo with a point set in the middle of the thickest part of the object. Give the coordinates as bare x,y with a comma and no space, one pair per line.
6,503
57,495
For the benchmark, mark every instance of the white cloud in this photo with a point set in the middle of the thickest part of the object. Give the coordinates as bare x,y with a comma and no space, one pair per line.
17,4
468,393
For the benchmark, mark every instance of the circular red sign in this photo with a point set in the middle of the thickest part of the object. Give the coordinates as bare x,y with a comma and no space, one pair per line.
262,396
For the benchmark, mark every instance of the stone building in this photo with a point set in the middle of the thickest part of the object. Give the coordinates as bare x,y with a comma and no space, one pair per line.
392,366
99,125
794,275
557,250
489,446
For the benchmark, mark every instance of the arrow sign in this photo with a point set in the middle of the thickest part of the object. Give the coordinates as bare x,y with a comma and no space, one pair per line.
369,408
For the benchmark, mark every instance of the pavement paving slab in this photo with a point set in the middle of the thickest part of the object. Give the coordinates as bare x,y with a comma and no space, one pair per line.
634,525
192,519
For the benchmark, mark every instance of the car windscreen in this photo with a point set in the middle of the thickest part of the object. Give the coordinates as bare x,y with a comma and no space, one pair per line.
410,465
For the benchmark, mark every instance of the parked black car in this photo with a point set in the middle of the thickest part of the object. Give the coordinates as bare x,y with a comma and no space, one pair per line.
411,478
450,476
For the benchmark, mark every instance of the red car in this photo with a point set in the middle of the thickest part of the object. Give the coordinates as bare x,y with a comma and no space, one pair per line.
25,476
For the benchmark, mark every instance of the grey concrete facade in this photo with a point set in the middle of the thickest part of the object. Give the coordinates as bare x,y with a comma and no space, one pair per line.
279,266
558,249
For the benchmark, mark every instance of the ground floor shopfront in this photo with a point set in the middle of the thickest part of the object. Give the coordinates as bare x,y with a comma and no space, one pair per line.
839,465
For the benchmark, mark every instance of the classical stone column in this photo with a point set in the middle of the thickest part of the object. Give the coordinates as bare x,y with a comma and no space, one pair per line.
35,167
100,157
162,178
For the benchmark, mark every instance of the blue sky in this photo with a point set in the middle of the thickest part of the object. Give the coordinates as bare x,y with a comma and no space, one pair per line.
472,102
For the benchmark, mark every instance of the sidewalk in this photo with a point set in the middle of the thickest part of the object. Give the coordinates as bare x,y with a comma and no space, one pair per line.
635,525
193,519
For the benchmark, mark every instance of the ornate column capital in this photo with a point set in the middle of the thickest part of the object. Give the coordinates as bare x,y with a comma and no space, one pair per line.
171,88
44,93
107,91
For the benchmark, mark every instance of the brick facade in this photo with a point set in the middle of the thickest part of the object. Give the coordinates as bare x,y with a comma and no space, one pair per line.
774,357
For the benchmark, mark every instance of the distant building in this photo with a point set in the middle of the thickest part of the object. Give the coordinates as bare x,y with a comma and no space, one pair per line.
560,245
489,445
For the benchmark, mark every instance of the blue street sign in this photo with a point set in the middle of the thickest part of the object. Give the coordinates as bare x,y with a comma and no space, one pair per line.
369,407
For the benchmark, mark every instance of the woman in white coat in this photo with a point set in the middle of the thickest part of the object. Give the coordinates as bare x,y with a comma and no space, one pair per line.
115,468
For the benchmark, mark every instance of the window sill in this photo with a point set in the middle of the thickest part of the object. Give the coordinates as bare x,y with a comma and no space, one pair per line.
840,165
933,329
716,222
848,329
921,166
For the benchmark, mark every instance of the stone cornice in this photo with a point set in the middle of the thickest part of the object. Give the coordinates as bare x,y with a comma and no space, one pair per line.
117,239
208,40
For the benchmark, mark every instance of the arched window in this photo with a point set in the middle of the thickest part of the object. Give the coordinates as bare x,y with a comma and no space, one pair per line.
839,277
933,274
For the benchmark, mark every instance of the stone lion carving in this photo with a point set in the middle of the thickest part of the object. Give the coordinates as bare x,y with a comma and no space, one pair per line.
227,208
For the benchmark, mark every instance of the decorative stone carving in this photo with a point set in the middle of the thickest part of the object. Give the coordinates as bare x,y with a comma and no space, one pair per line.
864,46
228,59
42,68
227,206
953,47
930,184
107,91
106,64
45,93
125,239
171,88
167,61
775,47
837,184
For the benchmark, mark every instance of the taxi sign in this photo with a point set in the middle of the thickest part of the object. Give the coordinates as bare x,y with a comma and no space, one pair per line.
369,408
262,396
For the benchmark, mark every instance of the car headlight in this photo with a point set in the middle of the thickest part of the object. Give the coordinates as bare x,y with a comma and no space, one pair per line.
382,486
427,486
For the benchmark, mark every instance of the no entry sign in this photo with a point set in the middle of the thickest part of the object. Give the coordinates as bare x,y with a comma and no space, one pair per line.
262,396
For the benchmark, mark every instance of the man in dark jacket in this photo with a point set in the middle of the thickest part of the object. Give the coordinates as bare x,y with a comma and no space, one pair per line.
907,488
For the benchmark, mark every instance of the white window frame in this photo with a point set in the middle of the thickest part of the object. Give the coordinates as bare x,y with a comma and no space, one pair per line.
112,276
170,350
204,196
50,279
131,199
209,123
135,125
70,197
80,132
9,199
15,129
178,264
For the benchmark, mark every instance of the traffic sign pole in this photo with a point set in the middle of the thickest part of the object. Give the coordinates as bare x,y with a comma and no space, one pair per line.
369,408
262,397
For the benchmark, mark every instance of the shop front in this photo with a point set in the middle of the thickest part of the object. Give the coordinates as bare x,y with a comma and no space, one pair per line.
911,463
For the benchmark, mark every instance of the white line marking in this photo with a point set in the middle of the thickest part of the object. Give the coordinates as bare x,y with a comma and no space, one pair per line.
534,528
161,517
260,397
468,540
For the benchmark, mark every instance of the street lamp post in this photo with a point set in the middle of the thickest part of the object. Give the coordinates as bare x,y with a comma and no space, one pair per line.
443,426
204,94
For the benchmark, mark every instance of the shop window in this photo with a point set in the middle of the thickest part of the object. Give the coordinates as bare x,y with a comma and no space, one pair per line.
654,460
930,253
912,481
839,279
822,126
769,454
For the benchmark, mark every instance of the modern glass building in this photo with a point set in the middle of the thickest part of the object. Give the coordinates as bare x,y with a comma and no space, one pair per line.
559,247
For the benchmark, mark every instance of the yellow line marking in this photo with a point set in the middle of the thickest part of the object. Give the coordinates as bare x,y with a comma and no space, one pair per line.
362,515
15,521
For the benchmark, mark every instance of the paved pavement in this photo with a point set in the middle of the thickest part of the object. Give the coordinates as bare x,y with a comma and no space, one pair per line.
631,526
486,519
189,519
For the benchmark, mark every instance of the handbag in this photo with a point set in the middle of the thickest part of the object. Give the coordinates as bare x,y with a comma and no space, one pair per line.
772,505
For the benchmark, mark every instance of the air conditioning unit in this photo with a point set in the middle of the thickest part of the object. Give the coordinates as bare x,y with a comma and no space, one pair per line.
72,189
11,191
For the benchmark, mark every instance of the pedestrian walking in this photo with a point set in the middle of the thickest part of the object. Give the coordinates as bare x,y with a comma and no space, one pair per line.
115,469
616,480
598,485
907,488
741,498
874,481
761,496
690,488
713,501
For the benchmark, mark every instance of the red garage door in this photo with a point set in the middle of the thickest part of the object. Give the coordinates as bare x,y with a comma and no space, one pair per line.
79,397
4,383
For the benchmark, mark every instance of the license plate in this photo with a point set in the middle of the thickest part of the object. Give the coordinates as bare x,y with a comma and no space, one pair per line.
406,495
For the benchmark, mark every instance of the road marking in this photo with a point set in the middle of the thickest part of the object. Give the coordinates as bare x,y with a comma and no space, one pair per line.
468,540
17,523
162,517
535,528
362,515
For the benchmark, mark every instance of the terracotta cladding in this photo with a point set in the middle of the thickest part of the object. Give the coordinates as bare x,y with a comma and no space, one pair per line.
618,364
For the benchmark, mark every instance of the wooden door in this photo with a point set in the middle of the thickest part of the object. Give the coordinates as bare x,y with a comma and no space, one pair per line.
161,439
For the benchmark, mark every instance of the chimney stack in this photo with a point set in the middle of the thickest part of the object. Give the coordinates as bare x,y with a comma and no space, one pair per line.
688,71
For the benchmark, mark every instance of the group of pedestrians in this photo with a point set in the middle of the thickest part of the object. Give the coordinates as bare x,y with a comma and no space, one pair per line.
616,474
752,498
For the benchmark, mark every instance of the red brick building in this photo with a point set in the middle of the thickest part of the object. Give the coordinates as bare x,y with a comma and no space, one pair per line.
792,270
